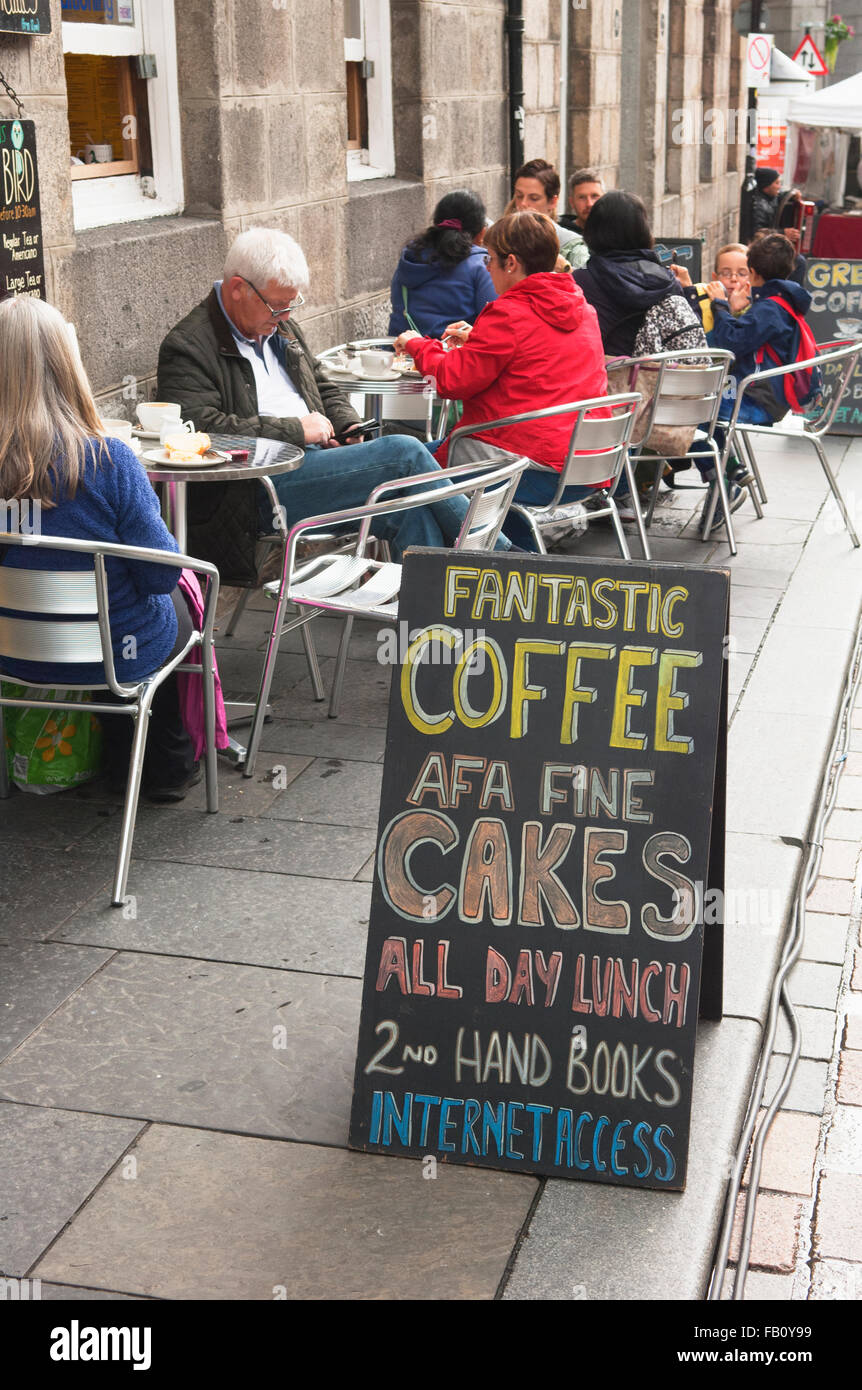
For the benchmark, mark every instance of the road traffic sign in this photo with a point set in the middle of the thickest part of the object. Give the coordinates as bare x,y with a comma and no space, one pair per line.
808,57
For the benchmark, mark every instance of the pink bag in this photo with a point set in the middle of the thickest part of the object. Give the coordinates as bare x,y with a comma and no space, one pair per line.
190,685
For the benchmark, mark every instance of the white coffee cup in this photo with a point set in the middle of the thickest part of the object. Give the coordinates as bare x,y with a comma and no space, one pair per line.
375,363
153,414
96,154
117,429
172,427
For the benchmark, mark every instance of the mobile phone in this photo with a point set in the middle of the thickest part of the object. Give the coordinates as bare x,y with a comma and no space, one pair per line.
237,454
343,435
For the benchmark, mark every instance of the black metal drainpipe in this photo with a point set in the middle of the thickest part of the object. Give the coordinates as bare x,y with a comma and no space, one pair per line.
746,202
515,32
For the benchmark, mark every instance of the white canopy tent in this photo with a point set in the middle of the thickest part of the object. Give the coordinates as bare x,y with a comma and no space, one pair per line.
838,107
821,124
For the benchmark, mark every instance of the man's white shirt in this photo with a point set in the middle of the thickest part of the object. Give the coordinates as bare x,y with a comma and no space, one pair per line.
276,393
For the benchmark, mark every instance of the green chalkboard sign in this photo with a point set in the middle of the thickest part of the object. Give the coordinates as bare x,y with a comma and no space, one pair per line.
835,316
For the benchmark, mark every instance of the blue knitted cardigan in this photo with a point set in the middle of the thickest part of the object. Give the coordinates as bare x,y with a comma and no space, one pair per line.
114,502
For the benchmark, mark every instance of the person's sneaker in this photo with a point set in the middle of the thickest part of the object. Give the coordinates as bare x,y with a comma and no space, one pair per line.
736,472
626,509
735,496
175,792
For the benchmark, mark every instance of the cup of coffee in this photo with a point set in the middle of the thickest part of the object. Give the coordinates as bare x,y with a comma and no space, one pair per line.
375,363
117,429
153,414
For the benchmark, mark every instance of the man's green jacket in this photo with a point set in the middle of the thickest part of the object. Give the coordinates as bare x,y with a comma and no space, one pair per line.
201,367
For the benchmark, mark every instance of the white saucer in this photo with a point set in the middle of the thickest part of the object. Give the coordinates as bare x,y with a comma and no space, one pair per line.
146,434
358,375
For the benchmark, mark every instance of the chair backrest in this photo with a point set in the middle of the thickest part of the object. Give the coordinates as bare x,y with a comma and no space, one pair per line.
72,595
847,355
597,444
682,388
489,504
597,447
58,593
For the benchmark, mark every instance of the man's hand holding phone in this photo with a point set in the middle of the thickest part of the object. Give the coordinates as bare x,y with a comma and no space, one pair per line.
354,434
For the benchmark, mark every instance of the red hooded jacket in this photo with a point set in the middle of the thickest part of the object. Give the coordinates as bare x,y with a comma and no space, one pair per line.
537,345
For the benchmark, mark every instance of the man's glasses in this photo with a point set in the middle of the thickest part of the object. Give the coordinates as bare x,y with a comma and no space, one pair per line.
275,314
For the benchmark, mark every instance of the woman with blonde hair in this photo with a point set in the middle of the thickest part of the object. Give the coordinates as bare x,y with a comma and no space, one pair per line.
88,487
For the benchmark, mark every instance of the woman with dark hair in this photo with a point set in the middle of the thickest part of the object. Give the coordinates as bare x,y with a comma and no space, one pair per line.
537,345
441,275
640,305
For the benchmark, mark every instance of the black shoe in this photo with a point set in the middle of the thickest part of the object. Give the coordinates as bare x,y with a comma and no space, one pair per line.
175,791
736,472
735,497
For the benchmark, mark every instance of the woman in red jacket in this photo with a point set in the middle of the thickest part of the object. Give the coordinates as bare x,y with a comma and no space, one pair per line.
538,344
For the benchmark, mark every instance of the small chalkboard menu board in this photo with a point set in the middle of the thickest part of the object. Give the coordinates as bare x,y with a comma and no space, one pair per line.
531,984
836,316
25,16
22,259
684,251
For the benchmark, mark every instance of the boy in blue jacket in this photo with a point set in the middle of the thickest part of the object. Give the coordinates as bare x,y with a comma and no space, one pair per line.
765,326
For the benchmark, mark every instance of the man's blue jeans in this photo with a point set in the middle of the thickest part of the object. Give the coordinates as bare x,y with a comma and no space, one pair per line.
336,479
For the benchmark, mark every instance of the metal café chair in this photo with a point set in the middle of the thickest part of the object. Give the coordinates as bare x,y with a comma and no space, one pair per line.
355,585
80,599
596,457
688,388
741,436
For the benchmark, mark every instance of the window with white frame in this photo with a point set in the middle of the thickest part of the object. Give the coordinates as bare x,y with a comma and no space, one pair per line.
368,62
123,102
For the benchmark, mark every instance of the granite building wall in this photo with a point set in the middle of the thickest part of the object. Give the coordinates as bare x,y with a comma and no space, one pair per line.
644,77
263,125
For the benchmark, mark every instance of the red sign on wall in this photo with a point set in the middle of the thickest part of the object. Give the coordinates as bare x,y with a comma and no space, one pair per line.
771,145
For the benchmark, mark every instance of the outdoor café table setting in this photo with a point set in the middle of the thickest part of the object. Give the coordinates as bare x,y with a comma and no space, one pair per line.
370,366
229,458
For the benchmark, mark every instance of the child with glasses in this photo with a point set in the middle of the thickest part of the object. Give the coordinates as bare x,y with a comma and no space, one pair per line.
730,272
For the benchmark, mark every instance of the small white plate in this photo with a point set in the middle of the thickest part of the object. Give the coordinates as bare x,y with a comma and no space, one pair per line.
146,434
207,460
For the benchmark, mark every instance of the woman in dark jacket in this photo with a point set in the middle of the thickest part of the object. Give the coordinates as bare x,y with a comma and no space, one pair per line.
442,275
640,306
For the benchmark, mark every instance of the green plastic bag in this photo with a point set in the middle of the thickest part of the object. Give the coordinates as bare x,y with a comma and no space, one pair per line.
48,750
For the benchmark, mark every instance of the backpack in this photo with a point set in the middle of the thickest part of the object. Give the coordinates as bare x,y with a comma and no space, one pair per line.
801,389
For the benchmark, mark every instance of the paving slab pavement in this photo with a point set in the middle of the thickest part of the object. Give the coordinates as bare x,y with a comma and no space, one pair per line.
207,1030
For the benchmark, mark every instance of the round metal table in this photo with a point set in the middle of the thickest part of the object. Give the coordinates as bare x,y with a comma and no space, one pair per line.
376,389
266,458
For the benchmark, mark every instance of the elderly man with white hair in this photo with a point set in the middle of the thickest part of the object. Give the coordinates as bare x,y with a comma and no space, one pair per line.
238,364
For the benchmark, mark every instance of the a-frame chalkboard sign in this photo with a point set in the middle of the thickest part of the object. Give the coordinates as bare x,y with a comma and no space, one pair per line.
547,857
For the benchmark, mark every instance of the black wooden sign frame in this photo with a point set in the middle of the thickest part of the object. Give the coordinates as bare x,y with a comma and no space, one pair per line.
36,20
550,856
22,252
